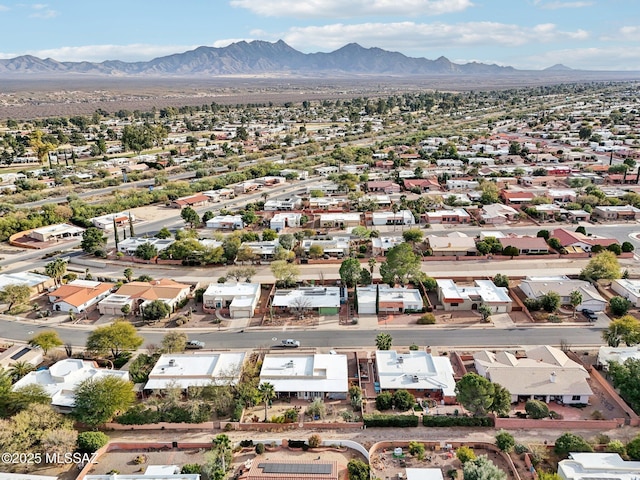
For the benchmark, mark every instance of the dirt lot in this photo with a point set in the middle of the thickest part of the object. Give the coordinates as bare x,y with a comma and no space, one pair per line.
335,410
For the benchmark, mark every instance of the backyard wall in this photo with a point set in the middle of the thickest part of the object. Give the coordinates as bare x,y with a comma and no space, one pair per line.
567,425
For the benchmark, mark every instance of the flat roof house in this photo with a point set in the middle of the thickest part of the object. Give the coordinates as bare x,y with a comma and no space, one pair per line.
381,245
282,220
186,370
56,232
535,287
306,376
226,222
324,300
627,288
61,379
335,246
597,466
36,282
402,217
454,245
241,299
21,353
483,292
339,220
79,295
418,372
293,470
616,212
398,299
105,222
546,373
128,246
454,216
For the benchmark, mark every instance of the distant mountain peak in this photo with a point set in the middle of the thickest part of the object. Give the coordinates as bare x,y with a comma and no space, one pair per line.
558,67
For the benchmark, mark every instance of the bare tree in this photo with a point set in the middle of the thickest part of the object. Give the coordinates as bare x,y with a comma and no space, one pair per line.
299,306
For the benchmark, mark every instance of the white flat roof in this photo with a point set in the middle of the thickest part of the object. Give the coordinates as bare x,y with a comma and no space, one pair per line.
195,370
424,474
307,297
306,373
415,370
387,294
22,278
232,289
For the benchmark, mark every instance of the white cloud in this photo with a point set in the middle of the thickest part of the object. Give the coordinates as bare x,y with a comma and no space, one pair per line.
420,37
624,58
42,10
4,8
556,5
353,8
99,53
625,34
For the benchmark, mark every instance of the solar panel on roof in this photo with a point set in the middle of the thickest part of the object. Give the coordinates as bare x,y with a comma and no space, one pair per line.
20,353
297,468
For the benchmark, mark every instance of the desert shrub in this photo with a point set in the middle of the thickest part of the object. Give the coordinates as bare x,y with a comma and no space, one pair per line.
427,319
384,401
314,441
89,442
532,304
191,469
465,454
246,443
536,409
390,420
259,448
505,441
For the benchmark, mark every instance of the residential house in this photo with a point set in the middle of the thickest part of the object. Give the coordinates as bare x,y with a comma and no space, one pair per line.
498,214
617,354
326,203
263,250
197,200
323,300
226,222
36,282
374,299
578,216
21,353
628,288
455,216
245,187
285,204
422,184
601,466
384,186
185,370
616,212
283,220
326,171
62,231
152,472
535,287
452,245
381,245
568,238
106,222
402,217
545,373
526,245
561,195
460,184
62,378
334,246
138,295
306,376
516,197
79,295
128,246
241,299
339,220
453,296
327,188
418,372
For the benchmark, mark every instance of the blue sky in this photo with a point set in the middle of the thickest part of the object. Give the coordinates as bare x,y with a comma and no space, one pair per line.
526,34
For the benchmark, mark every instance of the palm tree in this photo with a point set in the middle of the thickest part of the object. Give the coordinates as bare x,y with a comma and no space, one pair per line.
575,298
128,274
267,393
20,369
372,265
56,270
223,444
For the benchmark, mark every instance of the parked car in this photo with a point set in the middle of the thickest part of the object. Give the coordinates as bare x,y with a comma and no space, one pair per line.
290,343
590,314
195,345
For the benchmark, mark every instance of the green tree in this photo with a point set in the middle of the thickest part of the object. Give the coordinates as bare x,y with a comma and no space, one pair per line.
485,311
146,251
285,273
536,409
555,243
190,216
89,442
569,442
413,235
316,250
155,311
544,234
116,338
501,402
93,239
417,449
511,251
15,294
358,470
267,393
383,341
465,454
128,274
350,272
550,301
505,441
355,396
501,280
627,247
633,449
625,330
98,401
46,340
624,377
403,400
575,299
137,137
482,468
605,265
165,233
619,306
41,145
475,393
401,265
174,342
56,270
19,369
384,401
489,193
269,235
286,241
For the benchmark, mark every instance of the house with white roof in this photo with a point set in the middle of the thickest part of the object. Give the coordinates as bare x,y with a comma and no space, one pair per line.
617,354
36,282
545,373
497,213
186,370
241,298
324,300
226,222
62,231
152,472
62,378
276,205
419,372
597,466
402,217
306,376
627,288
128,246
389,299
616,212
424,473
381,245
282,220
453,216
340,220
535,287
334,246
453,244
105,222
453,296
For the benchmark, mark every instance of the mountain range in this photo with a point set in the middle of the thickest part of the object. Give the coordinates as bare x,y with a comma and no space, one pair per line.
257,58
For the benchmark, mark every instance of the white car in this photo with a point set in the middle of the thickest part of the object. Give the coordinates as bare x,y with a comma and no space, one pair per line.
195,345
